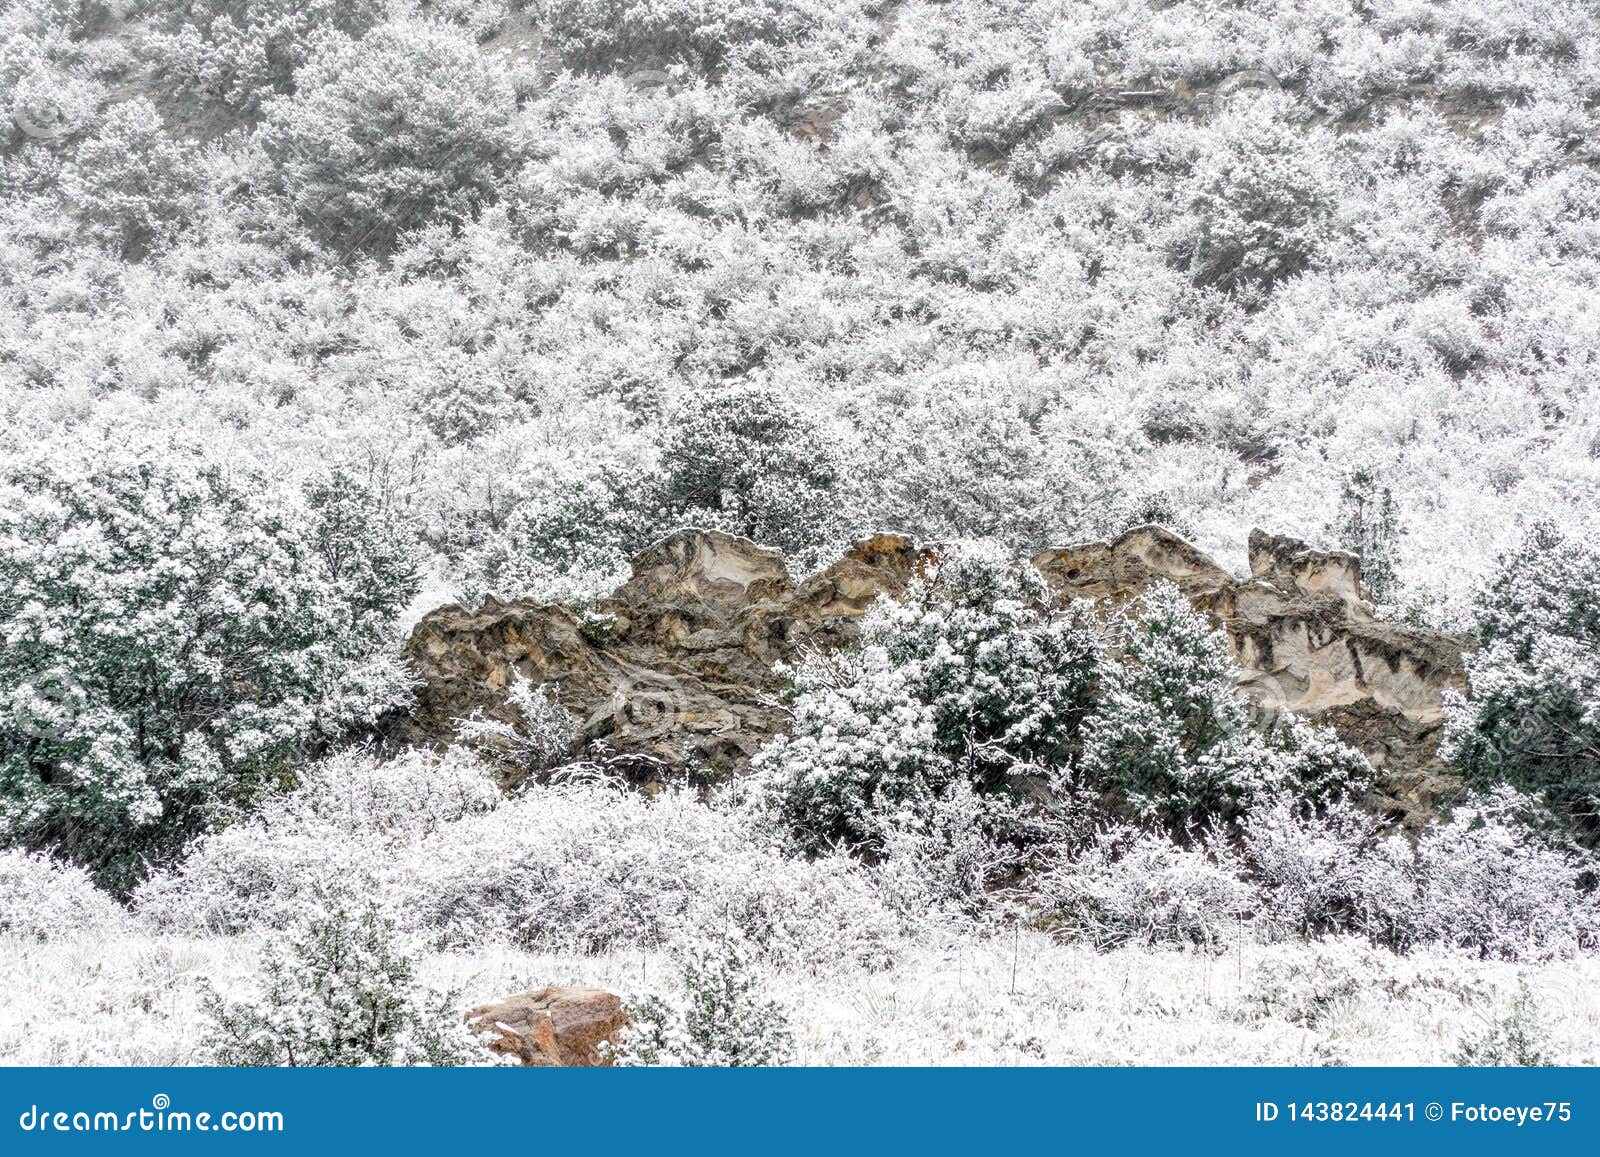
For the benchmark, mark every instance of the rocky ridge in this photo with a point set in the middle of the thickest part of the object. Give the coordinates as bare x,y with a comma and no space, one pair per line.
677,668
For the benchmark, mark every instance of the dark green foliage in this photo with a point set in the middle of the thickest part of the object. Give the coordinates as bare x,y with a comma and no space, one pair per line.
1368,525
1171,735
718,1018
746,459
344,993
1531,717
178,638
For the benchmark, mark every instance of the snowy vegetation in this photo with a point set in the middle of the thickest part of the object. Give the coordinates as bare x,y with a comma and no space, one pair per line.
807,268
908,844
320,313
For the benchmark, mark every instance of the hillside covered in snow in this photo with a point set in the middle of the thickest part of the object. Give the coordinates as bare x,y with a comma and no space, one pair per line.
846,523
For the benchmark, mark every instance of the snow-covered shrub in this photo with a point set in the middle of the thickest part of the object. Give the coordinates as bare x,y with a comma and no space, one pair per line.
242,51
131,183
1307,982
541,737
174,643
560,528
341,992
571,866
1532,715
1259,197
1485,880
44,899
1368,525
385,134
861,748
1516,1037
717,1016
974,677
590,33
353,819
746,459
586,867
1172,735
969,676
1489,884
1333,872
951,854
1133,886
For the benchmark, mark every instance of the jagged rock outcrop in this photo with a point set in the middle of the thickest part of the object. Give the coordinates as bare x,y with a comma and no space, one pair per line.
678,664
678,667
1305,639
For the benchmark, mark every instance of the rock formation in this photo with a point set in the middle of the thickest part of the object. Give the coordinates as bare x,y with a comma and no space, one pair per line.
553,1026
678,665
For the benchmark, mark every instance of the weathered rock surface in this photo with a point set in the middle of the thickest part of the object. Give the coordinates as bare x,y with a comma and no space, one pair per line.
1305,639
679,668
553,1026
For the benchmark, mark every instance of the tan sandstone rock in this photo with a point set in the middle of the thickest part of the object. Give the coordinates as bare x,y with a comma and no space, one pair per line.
682,671
553,1026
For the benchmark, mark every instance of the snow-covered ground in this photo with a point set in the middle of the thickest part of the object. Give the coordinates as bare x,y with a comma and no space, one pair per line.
1008,999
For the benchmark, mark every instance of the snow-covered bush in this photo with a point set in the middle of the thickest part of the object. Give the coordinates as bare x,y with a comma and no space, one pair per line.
388,133
969,676
950,854
243,51
131,183
717,1016
697,32
1133,886
541,737
174,644
1171,733
1485,880
745,459
1368,525
1334,872
341,992
1490,885
580,865
1259,198
1516,1037
44,899
586,867
353,819
1532,714
975,678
